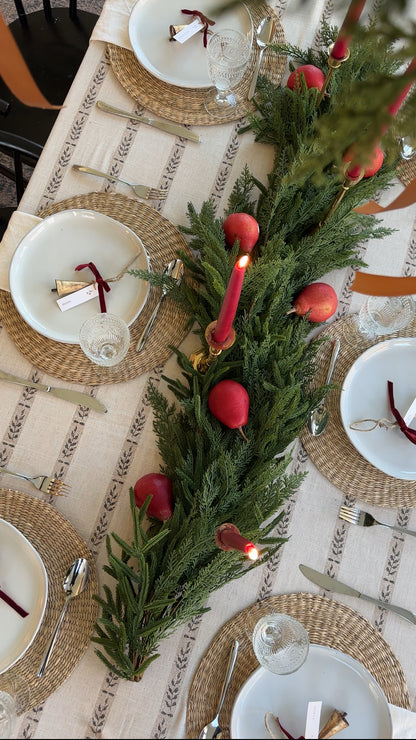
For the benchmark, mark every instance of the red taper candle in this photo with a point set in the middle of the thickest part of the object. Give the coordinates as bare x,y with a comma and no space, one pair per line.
340,47
230,302
228,537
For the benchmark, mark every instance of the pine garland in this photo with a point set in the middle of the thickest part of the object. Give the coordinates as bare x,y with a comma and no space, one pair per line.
164,575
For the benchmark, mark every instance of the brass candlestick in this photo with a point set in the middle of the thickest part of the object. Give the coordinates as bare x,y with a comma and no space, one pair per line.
333,64
202,359
348,183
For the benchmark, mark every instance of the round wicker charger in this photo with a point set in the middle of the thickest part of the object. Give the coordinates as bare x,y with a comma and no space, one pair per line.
332,452
186,105
58,544
162,241
328,623
407,170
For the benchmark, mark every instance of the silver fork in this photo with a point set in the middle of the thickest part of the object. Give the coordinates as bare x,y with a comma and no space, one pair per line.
143,191
43,483
365,519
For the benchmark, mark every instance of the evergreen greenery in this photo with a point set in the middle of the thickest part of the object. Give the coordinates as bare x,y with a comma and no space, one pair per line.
163,577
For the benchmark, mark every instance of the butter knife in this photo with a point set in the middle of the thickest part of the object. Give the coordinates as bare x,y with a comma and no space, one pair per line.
331,584
171,128
68,395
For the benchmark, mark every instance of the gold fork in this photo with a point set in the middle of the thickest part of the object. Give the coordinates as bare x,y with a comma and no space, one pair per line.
356,516
43,483
143,191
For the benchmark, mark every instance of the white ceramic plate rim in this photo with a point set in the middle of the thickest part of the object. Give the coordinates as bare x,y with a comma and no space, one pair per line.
320,678
183,65
364,395
23,576
52,250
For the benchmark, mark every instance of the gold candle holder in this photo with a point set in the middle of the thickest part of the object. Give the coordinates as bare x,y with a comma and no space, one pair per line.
202,359
333,64
348,183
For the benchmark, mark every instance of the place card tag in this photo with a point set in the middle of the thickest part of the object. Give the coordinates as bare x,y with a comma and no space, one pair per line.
189,30
410,413
80,296
313,719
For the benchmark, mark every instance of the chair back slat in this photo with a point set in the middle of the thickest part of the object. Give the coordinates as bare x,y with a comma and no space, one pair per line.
47,9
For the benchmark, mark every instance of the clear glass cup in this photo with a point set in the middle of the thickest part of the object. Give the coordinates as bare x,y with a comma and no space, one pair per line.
14,701
379,315
407,146
228,53
105,339
280,643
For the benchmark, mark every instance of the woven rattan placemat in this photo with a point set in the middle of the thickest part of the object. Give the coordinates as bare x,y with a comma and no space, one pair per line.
162,241
407,170
328,623
332,452
58,544
186,105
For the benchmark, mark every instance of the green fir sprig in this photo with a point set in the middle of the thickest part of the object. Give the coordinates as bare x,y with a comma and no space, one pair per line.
162,576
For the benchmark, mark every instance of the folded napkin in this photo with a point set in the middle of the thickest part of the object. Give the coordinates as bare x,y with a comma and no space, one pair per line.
18,226
113,24
404,722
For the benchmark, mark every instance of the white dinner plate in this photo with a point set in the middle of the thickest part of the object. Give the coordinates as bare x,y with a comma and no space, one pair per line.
328,675
51,251
364,396
23,577
184,65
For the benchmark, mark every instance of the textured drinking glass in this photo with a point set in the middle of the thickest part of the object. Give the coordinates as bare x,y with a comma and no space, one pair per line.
280,643
379,315
105,339
228,53
8,714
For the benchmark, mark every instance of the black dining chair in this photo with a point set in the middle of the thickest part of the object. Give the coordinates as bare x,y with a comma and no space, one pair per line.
53,42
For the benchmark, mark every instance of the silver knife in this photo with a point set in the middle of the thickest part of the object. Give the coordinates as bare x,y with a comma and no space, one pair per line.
68,395
171,128
331,584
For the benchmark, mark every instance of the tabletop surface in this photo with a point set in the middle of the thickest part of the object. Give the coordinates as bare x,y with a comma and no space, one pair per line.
102,455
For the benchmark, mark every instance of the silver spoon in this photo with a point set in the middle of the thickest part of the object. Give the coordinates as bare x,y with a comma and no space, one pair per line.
318,418
263,35
213,729
74,582
175,270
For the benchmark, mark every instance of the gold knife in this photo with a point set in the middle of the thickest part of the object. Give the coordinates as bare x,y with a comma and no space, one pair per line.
171,128
68,395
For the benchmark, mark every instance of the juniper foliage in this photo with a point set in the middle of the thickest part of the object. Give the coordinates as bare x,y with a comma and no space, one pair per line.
163,576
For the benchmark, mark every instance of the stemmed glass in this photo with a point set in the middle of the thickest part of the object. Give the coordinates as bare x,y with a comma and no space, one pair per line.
228,53
378,315
280,643
105,339
14,700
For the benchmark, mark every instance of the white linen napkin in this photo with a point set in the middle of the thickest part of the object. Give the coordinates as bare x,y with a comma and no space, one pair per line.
113,24
18,226
404,722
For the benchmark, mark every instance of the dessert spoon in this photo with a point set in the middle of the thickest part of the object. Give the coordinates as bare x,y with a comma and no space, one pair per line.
74,583
318,418
213,729
263,35
175,270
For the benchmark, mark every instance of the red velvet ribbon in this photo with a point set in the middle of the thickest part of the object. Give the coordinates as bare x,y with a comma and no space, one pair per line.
101,283
203,18
11,602
410,433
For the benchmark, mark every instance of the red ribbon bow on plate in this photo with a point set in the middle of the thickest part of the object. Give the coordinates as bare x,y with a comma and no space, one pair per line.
101,283
410,433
